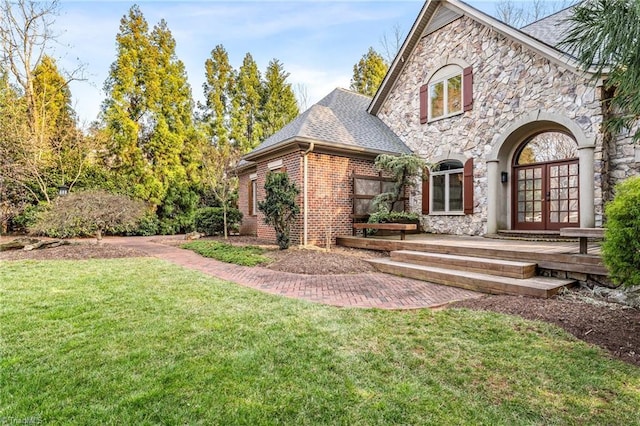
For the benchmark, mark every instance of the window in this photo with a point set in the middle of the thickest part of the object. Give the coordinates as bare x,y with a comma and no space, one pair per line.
447,187
253,195
445,97
447,93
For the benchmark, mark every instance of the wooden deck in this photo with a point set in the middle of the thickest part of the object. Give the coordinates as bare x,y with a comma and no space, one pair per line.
557,256
483,264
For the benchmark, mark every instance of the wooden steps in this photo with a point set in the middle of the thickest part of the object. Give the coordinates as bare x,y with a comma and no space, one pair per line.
536,286
505,268
540,253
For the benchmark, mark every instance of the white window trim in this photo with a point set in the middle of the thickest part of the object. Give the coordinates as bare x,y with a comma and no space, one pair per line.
447,211
444,80
274,165
254,196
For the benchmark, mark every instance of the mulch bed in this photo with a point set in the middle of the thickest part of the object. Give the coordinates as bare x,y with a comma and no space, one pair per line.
608,325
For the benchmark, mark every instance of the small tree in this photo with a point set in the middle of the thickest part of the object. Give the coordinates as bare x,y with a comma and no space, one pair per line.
368,73
219,175
404,169
89,213
621,247
279,207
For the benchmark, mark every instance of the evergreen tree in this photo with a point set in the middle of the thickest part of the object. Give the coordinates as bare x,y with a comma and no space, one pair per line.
246,128
149,113
279,105
218,88
67,150
126,111
368,73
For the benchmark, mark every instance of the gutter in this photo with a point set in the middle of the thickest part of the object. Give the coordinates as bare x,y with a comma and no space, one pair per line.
306,192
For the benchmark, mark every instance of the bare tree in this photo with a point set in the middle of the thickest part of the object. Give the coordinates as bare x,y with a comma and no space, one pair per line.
26,33
391,43
519,14
219,175
302,95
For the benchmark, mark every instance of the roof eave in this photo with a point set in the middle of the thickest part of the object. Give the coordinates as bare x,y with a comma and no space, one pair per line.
303,143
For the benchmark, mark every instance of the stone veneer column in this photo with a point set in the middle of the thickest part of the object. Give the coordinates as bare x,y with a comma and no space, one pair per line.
493,184
587,194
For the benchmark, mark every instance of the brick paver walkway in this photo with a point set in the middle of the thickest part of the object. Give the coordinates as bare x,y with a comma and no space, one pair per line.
367,290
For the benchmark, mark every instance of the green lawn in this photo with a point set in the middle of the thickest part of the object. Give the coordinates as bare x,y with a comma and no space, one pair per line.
140,341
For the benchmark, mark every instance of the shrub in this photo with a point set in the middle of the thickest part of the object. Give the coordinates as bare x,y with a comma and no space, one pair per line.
148,225
210,220
176,212
385,217
89,213
245,255
279,206
621,247
29,216
405,169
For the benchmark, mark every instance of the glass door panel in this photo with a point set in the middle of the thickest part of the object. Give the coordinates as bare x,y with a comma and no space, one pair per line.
546,196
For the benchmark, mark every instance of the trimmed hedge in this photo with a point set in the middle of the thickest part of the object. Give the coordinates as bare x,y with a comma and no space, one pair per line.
210,220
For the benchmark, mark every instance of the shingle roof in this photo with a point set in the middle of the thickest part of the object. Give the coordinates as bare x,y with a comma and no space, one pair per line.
340,118
551,29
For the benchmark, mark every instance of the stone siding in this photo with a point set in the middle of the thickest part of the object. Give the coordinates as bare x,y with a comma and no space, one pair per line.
509,82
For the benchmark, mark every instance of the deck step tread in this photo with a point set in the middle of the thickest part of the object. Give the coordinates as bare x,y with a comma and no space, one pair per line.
467,258
492,266
534,286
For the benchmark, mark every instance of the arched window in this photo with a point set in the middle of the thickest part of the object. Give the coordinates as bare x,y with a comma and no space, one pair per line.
447,93
545,147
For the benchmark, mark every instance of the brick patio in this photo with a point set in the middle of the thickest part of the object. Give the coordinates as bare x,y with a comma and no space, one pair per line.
368,290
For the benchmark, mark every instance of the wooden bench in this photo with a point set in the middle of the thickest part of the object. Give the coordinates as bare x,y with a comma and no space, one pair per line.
584,234
402,227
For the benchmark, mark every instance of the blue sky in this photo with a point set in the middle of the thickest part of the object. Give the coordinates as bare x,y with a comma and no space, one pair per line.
318,41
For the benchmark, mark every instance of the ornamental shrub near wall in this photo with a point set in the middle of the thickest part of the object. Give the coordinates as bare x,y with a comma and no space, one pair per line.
621,247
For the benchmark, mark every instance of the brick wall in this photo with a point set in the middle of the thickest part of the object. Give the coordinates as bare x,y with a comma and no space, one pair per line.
291,163
329,194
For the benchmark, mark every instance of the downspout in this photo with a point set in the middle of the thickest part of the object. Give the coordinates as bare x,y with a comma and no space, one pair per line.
306,193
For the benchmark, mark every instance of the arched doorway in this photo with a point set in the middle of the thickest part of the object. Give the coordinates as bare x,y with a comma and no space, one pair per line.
546,184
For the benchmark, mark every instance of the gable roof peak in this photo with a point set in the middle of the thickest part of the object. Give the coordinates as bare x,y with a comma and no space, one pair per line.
541,42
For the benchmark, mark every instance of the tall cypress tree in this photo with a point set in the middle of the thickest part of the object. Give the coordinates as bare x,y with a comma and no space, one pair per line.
279,104
218,86
149,111
126,111
246,128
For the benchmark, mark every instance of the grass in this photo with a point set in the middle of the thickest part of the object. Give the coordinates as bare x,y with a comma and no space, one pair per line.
141,341
240,255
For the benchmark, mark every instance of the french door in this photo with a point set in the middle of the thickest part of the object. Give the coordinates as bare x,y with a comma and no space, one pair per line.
546,195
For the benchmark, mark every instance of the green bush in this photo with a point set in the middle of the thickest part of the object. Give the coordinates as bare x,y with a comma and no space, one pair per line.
279,206
29,216
210,220
621,247
176,212
388,217
239,255
147,226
